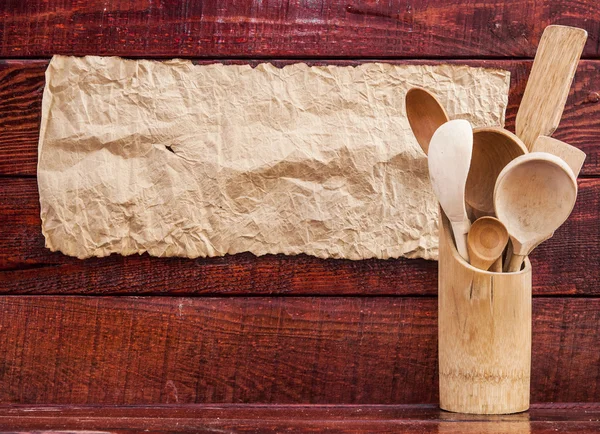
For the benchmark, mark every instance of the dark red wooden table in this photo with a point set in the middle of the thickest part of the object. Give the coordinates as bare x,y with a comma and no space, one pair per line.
306,344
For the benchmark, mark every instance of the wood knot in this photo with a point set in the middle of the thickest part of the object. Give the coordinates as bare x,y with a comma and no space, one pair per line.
593,97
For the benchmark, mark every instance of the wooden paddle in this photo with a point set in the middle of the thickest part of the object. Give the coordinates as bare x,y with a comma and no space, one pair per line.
549,82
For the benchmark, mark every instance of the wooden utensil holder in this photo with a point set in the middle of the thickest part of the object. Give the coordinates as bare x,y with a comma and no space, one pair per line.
484,334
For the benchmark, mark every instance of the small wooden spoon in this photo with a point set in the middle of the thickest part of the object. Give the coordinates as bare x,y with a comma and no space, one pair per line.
425,115
493,149
486,242
570,154
449,160
534,195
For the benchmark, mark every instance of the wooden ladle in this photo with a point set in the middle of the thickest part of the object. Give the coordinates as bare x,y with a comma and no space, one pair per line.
534,195
493,149
425,115
449,159
486,242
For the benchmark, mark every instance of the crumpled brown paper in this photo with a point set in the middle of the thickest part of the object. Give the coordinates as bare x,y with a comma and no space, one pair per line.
177,159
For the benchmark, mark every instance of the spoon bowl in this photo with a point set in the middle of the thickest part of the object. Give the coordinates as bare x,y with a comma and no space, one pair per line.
486,242
493,149
425,115
534,195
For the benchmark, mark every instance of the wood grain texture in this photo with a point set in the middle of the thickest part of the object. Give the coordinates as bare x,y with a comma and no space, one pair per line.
357,350
22,83
565,264
252,349
149,350
247,28
581,418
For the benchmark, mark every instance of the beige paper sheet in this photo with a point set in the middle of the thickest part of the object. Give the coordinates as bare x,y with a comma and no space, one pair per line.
177,159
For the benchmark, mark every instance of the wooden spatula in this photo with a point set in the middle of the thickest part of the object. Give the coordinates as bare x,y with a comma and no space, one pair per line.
449,159
570,154
549,82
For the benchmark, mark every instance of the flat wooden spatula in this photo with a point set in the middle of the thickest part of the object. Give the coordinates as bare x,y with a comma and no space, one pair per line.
570,154
449,159
549,82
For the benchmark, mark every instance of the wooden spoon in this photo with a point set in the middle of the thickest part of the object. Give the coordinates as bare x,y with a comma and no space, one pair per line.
486,242
534,195
549,82
449,160
493,149
570,154
425,115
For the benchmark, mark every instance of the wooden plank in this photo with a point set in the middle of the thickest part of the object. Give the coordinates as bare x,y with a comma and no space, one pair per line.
120,350
21,89
540,412
297,418
51,424
22,82
565,264
288,28
326,350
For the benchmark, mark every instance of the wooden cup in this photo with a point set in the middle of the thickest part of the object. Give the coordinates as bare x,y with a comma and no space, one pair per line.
484,335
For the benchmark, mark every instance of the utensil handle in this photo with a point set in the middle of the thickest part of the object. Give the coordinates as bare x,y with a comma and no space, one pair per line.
461,229
507,256
515,263
496,267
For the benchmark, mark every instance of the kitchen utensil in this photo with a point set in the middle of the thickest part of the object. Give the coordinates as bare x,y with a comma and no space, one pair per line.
486,242
570,154
449,159
425,115
493,148
534,195
549,82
